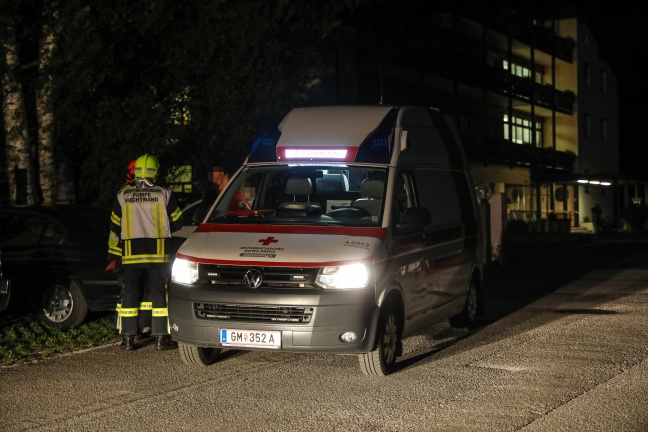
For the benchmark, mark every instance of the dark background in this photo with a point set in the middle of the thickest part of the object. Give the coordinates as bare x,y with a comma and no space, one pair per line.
622,33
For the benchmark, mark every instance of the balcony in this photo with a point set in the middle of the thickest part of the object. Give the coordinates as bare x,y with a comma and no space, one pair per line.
545,39
502,152
542,94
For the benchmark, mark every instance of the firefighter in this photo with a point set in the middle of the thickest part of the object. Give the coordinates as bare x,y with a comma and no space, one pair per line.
142,220
145,306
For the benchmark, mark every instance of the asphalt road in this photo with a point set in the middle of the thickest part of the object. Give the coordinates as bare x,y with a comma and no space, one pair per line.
564,346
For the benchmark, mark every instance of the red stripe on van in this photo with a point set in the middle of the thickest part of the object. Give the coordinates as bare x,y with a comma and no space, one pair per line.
272,263
378,233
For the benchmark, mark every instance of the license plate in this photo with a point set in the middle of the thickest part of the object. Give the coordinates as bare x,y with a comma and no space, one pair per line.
250,338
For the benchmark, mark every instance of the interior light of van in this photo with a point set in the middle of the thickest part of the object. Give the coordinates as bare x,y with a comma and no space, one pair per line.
185,272
352,276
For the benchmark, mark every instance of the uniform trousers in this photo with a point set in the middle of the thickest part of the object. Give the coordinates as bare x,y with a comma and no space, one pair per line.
153,278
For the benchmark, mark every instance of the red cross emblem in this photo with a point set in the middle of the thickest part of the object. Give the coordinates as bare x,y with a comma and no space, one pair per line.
266,242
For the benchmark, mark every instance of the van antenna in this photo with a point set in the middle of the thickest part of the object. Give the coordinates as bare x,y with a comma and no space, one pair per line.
381,85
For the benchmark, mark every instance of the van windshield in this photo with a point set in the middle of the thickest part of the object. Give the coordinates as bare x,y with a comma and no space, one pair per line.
311,194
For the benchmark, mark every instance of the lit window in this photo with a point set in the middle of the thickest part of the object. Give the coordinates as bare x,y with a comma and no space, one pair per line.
521,130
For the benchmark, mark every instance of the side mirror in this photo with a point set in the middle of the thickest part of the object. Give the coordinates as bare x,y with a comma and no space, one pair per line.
201,212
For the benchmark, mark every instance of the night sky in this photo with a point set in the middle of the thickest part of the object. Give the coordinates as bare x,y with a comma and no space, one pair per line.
621,34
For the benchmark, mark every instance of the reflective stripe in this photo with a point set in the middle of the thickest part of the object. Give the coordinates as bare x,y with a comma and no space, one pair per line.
158,215
145,259
115,219
146,306
128,312
176,215
114,245
160,312
117,251
127,226
118,308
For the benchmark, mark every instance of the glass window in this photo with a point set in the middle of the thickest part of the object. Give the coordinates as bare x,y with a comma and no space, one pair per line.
523,72
438,192
23,231
521,130
321,194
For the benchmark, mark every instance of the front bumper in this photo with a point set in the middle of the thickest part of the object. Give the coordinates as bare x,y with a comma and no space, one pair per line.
331,313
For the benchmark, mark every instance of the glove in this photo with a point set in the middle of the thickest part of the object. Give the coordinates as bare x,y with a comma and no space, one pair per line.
114,266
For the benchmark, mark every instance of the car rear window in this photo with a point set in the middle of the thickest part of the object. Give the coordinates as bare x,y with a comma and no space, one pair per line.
95,220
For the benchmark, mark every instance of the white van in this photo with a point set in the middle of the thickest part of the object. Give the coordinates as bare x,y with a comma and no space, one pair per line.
363,229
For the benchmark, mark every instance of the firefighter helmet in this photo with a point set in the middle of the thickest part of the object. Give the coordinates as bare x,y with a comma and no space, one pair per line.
146,166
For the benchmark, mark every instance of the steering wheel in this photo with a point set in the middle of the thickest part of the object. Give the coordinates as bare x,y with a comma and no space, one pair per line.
350,212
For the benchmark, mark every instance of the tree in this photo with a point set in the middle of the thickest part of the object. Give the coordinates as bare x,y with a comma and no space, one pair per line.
44,108
190,82
17,136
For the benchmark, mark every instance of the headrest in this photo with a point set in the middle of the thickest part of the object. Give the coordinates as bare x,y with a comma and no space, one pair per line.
299,186
372,188
333,183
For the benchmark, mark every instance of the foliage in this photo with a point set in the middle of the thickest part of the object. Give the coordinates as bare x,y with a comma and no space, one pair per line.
24,339
190,82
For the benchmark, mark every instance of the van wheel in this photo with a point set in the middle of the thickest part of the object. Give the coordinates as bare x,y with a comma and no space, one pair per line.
382,360
467,316
198,356
62,305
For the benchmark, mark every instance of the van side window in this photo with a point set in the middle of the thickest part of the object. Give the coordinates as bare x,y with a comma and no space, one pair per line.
404,196
438,192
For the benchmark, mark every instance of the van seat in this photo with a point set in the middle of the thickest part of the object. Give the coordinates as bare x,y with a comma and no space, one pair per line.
371,200
299,187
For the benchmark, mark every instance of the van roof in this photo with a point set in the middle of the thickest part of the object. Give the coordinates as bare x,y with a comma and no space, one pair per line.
344,134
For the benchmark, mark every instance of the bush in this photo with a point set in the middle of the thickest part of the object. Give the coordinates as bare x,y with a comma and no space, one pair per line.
25,338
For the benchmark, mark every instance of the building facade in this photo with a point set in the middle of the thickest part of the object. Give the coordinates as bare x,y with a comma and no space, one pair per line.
535,104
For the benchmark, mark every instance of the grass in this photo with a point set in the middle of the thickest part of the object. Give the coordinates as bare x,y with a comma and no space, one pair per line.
25,339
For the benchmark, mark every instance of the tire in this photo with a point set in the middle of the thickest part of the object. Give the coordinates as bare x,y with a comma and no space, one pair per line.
62,305
382,360
468,315
197,356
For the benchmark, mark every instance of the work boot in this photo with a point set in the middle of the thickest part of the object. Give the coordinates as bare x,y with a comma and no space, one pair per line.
163,343
145,333
128,343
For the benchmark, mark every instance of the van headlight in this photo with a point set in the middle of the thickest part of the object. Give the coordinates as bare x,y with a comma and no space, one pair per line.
352,276
184,272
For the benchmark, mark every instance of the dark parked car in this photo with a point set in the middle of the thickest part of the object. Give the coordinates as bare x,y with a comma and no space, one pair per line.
53,261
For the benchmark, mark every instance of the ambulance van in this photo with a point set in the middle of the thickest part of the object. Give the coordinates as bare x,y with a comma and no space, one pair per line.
347,229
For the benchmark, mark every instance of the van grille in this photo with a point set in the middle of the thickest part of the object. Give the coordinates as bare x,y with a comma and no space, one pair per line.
253,313
273,277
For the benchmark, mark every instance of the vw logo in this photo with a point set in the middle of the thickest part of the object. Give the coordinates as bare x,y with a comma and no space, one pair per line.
253,278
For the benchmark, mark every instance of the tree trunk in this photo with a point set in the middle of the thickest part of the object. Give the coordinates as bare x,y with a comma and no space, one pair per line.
44,113
19,167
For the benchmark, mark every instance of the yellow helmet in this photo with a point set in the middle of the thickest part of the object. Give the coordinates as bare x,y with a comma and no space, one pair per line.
146,166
